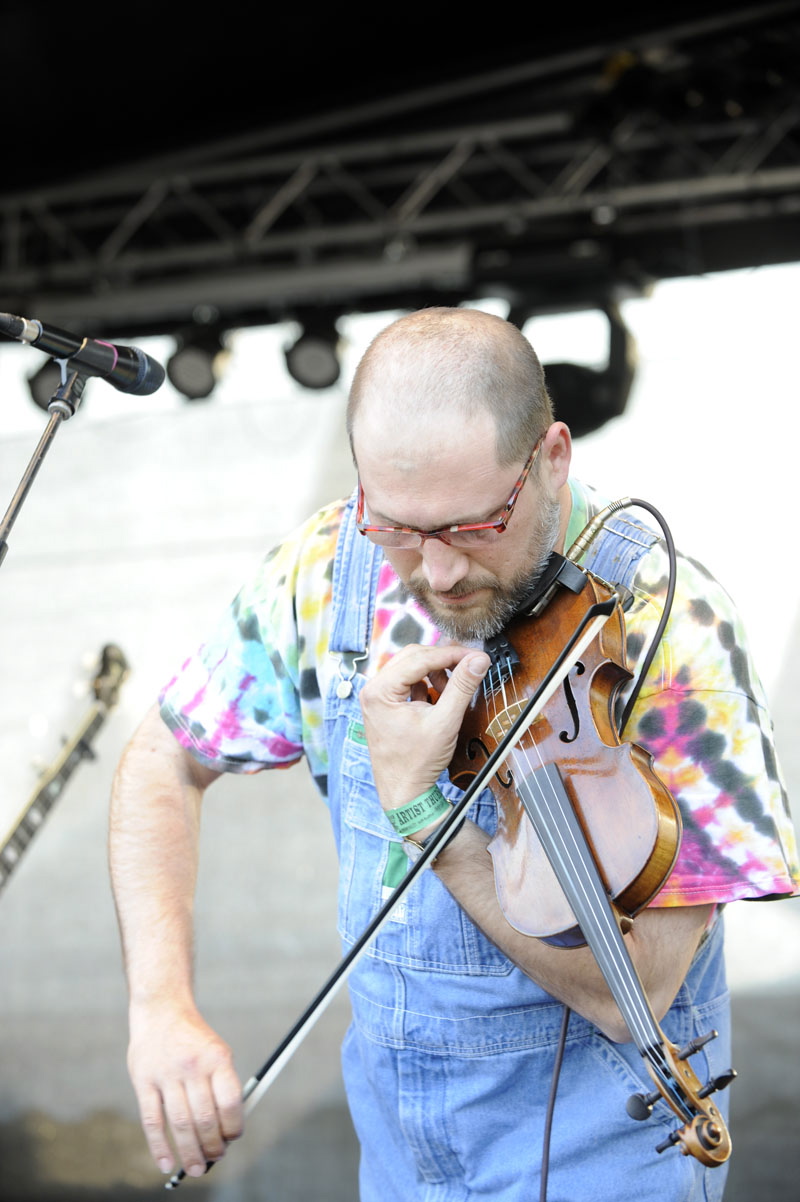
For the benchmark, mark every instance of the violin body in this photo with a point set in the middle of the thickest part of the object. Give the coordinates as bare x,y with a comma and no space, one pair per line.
629,818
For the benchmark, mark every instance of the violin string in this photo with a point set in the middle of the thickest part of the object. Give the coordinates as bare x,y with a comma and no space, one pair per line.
570,859
627,977
494,686
630,995
646,1028
638,1016
492,689
613,953
505,673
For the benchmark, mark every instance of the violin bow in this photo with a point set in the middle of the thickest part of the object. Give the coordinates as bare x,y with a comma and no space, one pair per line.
257,1085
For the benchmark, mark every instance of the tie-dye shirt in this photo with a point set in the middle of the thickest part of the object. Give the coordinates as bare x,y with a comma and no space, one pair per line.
251,697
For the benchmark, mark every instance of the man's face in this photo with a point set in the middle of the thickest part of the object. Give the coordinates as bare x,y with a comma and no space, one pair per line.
484,600
469,592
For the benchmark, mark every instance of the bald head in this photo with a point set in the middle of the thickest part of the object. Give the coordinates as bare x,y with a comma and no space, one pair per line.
459,364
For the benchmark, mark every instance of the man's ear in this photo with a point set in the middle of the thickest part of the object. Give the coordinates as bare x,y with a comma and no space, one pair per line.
557,454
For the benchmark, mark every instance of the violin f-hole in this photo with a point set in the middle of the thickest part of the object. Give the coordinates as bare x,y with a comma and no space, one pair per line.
564,735
475,743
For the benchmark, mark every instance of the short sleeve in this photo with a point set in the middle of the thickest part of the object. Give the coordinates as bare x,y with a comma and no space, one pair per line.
702,715
242,701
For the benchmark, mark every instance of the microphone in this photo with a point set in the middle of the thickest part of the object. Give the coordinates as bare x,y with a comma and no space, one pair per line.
126,367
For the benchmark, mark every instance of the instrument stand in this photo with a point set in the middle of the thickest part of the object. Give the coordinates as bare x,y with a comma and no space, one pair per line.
61,407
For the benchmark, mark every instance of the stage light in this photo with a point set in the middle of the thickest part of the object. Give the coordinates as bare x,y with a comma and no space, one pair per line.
587,397
313,359
196,366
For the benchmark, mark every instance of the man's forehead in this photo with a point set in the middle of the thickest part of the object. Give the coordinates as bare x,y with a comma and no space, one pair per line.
432,484
412,424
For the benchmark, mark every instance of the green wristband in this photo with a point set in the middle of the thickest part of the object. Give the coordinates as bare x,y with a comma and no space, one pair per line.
420,812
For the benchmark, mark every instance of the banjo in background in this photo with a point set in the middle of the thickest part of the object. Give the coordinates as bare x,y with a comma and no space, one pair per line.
112,671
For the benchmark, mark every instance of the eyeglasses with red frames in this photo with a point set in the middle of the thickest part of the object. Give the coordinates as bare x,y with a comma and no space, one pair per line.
465,534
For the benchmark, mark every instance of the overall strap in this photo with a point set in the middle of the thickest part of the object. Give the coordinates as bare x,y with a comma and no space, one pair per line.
355,578
615,553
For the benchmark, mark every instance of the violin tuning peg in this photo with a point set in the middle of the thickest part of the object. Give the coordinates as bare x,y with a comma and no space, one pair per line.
640,1105
669,1142
694,1045
720,1082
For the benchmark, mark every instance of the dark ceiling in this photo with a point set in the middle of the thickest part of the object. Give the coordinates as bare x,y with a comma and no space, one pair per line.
86,90
165,174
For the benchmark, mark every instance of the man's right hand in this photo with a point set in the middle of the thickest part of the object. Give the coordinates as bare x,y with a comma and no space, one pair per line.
188,1091
190,1098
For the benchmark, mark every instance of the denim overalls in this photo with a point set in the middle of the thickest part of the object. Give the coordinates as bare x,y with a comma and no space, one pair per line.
449,1057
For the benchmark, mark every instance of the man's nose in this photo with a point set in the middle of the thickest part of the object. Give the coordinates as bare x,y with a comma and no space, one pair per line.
443,566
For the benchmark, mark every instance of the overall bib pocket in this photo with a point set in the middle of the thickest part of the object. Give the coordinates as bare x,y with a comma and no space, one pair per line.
369,856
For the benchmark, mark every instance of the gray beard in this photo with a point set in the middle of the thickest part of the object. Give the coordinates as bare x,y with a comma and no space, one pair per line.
504,603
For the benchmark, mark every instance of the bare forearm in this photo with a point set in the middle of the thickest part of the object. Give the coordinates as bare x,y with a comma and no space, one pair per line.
182,1071
661,943
153,849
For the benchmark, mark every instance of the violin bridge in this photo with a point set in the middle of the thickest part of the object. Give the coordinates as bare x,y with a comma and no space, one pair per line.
502,722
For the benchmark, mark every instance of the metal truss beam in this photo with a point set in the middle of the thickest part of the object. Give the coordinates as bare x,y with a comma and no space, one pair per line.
622,164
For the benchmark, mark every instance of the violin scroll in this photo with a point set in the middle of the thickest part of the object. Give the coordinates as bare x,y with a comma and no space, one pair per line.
704,1134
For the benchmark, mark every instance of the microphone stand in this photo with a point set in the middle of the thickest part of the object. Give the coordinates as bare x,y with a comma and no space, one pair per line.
61,407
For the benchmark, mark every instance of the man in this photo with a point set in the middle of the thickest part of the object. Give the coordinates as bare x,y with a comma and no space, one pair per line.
333,652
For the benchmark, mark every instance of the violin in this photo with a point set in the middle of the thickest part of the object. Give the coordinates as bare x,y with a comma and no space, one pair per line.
587,832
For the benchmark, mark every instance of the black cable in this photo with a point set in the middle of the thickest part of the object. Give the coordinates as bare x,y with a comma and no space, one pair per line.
551,1102
648,659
